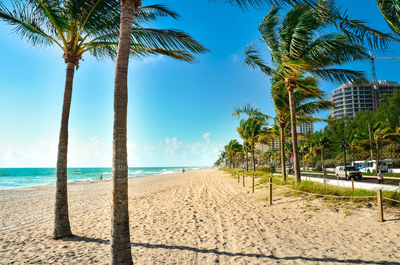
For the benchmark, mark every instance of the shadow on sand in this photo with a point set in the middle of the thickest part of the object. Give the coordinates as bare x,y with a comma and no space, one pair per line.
230,254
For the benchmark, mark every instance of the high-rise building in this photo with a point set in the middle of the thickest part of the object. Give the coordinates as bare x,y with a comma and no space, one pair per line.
350,98
305,128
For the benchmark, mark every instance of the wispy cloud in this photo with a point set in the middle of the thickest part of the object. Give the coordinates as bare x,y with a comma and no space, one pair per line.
94,152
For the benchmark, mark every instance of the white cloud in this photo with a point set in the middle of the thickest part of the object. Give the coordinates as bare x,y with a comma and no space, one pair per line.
206,137
149,60
94,152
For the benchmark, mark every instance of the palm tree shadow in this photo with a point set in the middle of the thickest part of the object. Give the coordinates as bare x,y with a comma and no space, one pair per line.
393,219
77,238
254,255
229,254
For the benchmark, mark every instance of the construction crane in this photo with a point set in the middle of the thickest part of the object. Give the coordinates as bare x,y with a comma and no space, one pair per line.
374,80
372,59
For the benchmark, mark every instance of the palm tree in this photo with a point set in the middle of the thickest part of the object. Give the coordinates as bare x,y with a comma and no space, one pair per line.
90,26
246,145
306,104
390,11
120,240
321,142
299,47
252,131
233,149
382,133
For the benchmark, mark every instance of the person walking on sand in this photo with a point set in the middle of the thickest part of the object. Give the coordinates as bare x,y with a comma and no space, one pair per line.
380,177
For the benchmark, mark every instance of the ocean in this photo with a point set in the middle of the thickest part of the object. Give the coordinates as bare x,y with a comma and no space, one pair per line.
11,178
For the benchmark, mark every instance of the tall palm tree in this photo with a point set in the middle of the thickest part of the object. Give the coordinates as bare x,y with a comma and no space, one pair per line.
381,134
252,131
321,142
300,47
246,146
233,149
306,104
120,238
79,28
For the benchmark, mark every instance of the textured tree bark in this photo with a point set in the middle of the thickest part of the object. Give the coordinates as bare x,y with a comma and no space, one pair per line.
120,246
61,218
283,164
254,162
294,134
322,158
377,158
247,160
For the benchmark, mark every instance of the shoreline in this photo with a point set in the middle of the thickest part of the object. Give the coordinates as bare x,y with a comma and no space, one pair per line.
197,217
93,181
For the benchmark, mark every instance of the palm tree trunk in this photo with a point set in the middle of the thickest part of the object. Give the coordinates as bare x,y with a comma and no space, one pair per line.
247,161
61,217
322,158
377,158
120,251
254,162
294,134
282,138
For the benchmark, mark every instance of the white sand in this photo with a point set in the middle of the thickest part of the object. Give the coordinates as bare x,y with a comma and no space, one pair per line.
199,217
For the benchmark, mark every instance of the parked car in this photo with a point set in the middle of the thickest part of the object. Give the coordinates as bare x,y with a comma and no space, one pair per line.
289,170
352,172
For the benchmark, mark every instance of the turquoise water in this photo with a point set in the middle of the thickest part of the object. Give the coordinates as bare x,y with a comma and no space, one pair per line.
28,177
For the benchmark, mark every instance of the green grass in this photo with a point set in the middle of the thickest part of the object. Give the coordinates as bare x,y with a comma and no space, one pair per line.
321,189
393,175
307,171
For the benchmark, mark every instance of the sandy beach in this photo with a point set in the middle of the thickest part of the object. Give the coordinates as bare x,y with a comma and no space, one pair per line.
199,217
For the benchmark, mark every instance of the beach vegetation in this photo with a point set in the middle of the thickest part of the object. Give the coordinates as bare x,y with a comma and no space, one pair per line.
319,190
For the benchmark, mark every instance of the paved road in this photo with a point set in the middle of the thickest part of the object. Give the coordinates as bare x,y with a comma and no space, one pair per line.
366,179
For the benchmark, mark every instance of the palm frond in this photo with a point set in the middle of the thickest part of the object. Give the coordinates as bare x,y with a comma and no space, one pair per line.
268,29
245,4
254,61
340,75
26,24
152,13
356,30
166,39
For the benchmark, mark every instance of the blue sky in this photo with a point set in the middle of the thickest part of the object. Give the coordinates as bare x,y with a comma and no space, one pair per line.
179,114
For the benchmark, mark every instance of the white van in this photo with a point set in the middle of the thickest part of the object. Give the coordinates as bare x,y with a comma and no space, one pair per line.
352,172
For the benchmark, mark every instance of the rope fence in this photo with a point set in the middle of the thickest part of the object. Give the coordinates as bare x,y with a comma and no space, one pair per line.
325,195
270,185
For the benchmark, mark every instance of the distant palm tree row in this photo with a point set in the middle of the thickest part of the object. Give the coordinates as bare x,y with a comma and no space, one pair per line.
303,47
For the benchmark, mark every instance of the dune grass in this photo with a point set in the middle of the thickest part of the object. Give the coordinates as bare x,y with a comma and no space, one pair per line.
321,189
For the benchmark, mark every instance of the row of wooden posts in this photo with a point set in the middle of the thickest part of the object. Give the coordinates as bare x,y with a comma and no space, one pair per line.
378,194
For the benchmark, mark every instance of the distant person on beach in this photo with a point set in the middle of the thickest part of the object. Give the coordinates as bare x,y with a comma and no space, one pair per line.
101,177
183,170
380,177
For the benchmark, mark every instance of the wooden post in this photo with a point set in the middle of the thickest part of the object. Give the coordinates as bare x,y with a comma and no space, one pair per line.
380,205
325,181
238,177
270,191
253,181
243,179
352,184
